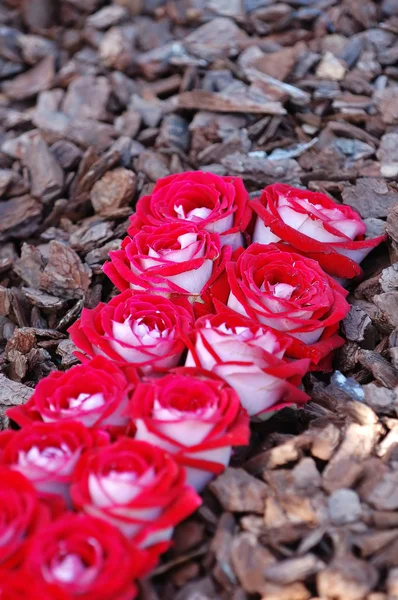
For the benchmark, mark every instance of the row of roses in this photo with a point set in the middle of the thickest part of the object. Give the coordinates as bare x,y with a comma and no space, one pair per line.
110,453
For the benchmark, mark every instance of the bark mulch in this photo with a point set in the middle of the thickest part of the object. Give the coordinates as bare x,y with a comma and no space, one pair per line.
97,101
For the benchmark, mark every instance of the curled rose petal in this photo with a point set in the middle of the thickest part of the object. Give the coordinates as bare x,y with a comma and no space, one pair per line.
137,487
315,225
136,327
86,558
95,394
172,259
16,585
193,414
216,204
22,515
249,356
290,293
47,453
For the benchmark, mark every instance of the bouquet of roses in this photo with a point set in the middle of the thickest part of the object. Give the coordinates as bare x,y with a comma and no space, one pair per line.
225,304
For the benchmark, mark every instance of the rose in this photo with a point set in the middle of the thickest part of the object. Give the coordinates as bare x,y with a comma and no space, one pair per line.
217,204
96,394
171,259
21,516
47,453
137,487
290,293
193,414
250,358
136,327
315,225
86,558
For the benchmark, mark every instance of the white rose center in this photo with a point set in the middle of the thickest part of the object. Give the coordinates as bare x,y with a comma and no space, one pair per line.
87,402
50,458
118,487
68,569
195,215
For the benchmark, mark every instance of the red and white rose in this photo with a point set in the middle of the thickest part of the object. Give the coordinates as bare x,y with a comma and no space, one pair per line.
172,259
22,515
139,328
137,487
216,204
95,394
47,453
249,356
196,416
86,558
290,293
311,222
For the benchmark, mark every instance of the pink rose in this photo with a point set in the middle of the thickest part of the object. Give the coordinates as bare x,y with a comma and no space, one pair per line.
217,204
95,394
290,293
86,559
138,488
136,327
196,416
249,356
47,453
172,259
313,224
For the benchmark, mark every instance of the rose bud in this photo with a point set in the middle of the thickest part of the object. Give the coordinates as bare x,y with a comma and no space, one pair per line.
311,222
136,327
137,487
195,415
250,358
175,258
95,394
217,204
47,453
86,559
292,294
21,516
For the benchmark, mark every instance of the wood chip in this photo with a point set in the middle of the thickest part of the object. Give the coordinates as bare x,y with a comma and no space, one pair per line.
237,491
32,82
61,273
115,189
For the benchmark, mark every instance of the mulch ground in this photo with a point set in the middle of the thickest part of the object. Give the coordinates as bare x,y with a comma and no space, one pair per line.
97,101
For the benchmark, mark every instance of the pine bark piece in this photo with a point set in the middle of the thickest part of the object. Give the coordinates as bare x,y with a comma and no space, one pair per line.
346,465
107,16
115,189
381,369
19,217
217,102
237,491
217,38
12,393
87,97
32,82
347,578
370,197
60,274
47,176
249,560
